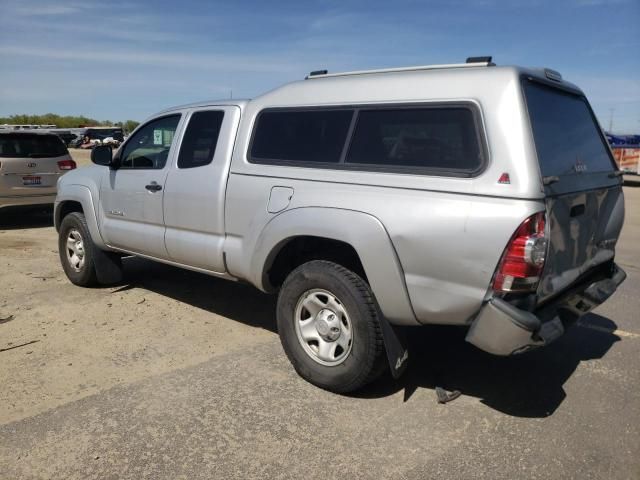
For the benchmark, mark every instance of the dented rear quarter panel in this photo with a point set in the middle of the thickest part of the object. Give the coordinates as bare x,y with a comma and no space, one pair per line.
447,245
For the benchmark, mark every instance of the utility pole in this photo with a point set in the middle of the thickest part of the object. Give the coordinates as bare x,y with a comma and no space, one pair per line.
611,110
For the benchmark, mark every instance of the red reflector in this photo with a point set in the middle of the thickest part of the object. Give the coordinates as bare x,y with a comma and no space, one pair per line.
504,178
523,259
66,165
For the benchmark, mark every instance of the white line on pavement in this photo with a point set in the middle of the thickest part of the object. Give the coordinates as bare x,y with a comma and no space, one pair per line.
620,333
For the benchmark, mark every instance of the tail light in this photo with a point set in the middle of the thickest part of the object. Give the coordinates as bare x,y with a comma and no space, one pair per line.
66,165
522,262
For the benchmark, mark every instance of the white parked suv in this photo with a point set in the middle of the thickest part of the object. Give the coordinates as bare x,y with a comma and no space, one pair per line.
465,194
31,163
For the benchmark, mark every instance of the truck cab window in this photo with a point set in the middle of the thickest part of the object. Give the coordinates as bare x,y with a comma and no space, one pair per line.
200,139
149,147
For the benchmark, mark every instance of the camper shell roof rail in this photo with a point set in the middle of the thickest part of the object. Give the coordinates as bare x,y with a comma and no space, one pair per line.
486,62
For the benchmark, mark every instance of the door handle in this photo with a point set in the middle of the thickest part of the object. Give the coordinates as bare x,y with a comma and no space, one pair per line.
153,187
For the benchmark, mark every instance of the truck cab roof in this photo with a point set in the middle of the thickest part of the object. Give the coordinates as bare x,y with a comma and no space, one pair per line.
206,103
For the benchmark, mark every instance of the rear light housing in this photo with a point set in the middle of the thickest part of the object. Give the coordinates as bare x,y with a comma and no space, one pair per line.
66,165
523,260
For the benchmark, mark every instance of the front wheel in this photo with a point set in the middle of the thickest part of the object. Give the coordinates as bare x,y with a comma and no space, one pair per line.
76,250
329,328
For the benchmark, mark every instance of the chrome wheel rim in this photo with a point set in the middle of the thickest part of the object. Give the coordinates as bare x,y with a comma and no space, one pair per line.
75,250
323,327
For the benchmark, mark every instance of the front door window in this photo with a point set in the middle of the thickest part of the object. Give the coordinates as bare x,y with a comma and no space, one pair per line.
149,147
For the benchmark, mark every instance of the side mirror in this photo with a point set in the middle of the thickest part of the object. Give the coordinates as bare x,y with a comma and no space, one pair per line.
102,155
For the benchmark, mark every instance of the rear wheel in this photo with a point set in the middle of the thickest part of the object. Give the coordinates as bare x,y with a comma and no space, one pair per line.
76,250
329,328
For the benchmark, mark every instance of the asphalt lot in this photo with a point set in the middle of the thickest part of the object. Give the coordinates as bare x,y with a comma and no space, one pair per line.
177,375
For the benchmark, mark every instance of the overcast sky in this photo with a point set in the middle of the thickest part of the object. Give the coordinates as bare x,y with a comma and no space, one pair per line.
128,59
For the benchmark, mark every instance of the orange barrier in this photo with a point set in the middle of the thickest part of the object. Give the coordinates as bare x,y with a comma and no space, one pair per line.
628,159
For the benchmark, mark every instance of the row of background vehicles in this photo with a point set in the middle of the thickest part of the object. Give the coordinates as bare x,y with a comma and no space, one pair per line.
83,137
625,148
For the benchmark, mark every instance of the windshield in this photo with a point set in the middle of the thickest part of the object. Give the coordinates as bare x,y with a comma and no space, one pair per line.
22,145
567,137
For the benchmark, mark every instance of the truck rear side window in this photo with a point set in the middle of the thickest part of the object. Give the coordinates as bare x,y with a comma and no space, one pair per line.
300,136
568,140
442,139
419,138
200,139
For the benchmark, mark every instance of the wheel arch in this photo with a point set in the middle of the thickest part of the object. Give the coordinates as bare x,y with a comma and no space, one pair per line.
78,198
358,237
65,208
294,251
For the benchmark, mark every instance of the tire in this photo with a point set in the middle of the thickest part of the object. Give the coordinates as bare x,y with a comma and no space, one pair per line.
81,269
329,328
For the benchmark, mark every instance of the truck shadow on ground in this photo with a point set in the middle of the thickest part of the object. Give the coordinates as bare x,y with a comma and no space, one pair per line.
17,218
237,301
527,385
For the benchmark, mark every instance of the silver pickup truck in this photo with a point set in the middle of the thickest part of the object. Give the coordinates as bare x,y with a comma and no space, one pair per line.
467,194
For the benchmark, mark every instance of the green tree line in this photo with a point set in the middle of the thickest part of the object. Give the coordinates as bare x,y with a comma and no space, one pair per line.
66,121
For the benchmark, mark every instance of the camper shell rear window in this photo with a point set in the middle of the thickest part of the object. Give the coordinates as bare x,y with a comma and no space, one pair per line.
567,137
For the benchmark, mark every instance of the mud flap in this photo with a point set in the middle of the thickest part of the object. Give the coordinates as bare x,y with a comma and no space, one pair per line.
396,346
108,267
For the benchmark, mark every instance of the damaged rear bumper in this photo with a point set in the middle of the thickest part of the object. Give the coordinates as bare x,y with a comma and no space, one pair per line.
504,329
